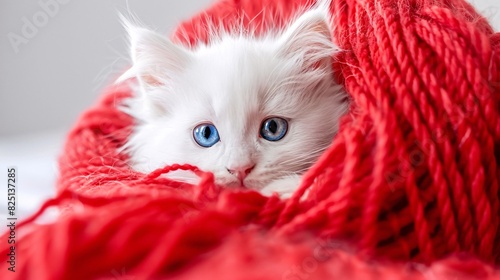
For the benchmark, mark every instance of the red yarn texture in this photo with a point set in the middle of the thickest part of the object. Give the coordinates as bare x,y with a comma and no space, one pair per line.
408,189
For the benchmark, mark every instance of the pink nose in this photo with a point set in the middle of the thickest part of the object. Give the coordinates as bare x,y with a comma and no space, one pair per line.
241,172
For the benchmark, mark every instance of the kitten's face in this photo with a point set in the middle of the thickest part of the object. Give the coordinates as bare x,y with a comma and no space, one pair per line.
249,110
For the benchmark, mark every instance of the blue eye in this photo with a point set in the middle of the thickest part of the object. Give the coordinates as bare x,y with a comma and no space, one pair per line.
273,129
206,135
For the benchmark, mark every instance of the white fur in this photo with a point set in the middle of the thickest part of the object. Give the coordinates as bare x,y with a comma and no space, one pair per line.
236,82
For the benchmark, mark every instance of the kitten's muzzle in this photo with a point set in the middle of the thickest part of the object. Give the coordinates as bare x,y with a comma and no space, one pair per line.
241,172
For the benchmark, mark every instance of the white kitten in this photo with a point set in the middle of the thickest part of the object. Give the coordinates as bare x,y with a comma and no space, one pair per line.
257,112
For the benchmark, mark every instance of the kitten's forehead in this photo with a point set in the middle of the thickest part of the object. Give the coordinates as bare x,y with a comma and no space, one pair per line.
235,75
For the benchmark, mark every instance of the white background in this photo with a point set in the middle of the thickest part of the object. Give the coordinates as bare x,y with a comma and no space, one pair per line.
46,82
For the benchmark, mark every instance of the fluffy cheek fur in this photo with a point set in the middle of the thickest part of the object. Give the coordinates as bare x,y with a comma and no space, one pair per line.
311,130
168,139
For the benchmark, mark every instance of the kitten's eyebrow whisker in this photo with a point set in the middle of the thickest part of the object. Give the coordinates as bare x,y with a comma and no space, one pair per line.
287,82
276,68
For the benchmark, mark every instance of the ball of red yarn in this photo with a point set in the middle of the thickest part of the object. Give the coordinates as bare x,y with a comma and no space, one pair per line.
408,189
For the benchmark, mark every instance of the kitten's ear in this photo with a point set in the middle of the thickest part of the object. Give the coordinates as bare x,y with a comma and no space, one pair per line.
155,58
309,39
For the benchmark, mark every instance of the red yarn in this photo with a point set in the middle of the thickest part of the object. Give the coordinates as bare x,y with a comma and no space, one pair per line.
412,176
